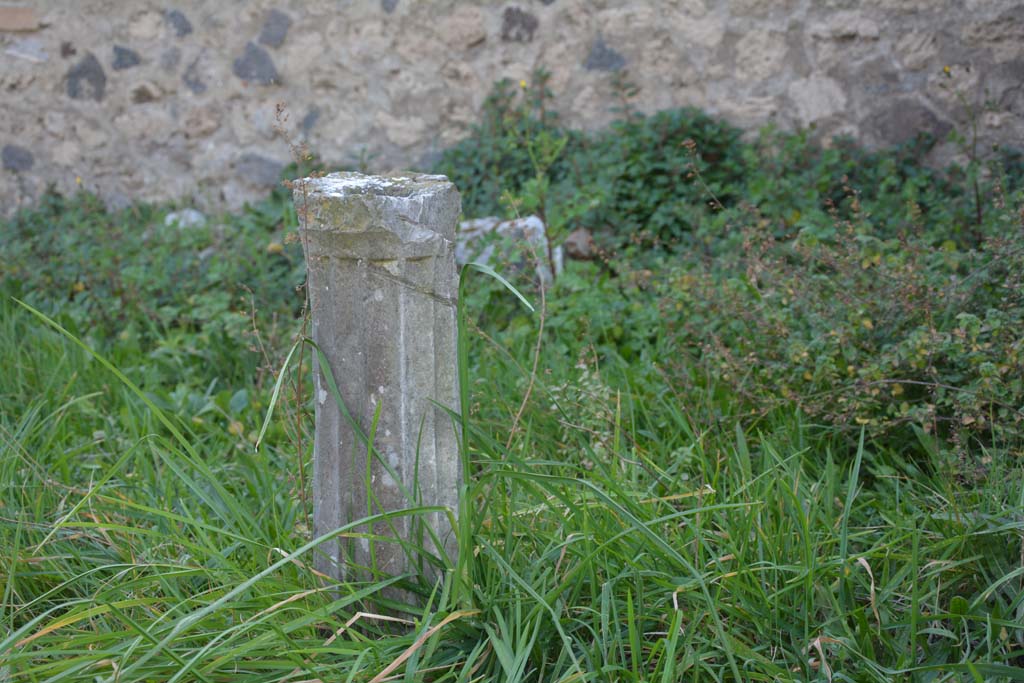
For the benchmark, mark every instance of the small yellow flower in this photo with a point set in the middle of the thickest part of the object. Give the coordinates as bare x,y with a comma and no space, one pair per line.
522,84
78,180
236,428
868,325
946,70
78,287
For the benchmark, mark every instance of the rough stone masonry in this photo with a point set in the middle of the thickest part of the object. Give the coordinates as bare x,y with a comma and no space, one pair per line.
175,99
380,253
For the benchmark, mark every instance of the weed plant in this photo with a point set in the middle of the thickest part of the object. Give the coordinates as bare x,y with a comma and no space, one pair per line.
634,511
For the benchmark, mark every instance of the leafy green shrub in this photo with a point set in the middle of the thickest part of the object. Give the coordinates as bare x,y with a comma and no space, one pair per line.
680,176
663,174
184,296
862,331
862,287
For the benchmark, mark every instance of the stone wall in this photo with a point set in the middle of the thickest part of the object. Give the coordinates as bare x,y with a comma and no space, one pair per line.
176,99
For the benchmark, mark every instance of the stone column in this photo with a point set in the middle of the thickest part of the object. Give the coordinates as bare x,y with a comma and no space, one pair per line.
382,287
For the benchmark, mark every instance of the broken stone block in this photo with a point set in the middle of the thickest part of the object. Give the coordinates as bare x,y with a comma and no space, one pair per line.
185,219
509,244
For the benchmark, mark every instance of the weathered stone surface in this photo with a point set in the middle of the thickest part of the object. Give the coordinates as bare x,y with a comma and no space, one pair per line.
602,57
464,28
67,153
275,28
692,30
90,133
382,288
178,22
55,123
760,8
916,49
816,98
404,132
513,245
29,49
201,122
396,82
760,55
751,112
256,66
16,158
1003,34
845,26
145,26
125,58
146,125
86,79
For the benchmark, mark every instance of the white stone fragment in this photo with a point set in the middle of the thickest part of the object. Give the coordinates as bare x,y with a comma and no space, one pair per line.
185,219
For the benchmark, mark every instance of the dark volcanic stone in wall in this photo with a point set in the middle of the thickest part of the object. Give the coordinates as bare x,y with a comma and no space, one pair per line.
518,25
16,158
389,5
1008,81
255,65
310,119
179,22
603,58
170,59
259,170
192,80
275,28
125,58
904,119
86,79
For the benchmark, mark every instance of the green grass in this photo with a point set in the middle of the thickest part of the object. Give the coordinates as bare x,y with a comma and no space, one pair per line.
139,550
